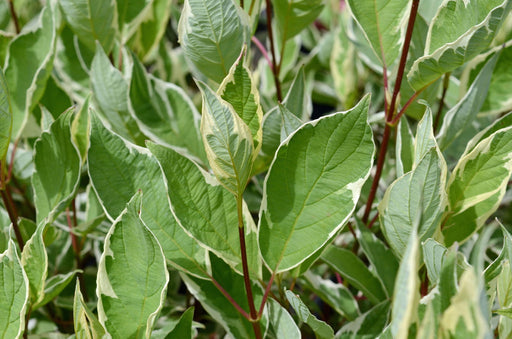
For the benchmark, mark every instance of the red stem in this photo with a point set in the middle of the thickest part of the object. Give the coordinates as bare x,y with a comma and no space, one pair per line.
14,17
275,70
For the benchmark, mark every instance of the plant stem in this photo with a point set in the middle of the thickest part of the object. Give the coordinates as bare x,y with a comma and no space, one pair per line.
247,279
263,51
242,4
391,110
266,294
446,82
14,17
275,70
230,298
251,8
13,215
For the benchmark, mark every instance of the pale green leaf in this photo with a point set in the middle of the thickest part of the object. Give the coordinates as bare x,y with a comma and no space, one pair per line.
425,138
460,31
212,34
494,268
54,286
448,278
206,210
416,198
384,23
367,325
281,322
406,296
404,148
80,130
86,324
289,122
57,169
35,264
132,276
118,170
5,119
477,185
498,99
28,66
91,21
293,16
460,116
321,329
179,328
354,270
228,142
298,98
433,255
110,91
308,196
240,90
504,292
15,299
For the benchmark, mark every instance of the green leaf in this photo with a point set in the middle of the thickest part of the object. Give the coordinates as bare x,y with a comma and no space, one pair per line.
5,119
212,34
290,123
321,329
308,197
367,325
460,31
433,255
206,210
384,24
57,169
504,291
416,198
35,264
281,322
464,318
132,276
460,116
298,99
406,296
108,154
239,90
183,328
28,66
293,16
129,11
92,20
448,278
404,148
380,256
494,268
110,91
85,323
54,286
355,271
216,304
477,185
15,286
228,142
80,130
337,296
498,100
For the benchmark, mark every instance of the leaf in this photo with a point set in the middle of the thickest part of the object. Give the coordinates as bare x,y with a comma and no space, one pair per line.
355,272
128,11
382,259
307,196
321,329
384,24
228,142
298,99
80,130
110,91
57,169
494,269
335,295
15,287
290,123
497,99
433,255
448,278
464,317
92,20
477,185
292,16
216,304
35,264
212,34
425,138
460,116
416,198
369,324
239,90
206,210
504,289
28,66
281,322
404,148
108,154
406,296
132,276
5,119
54,286
183,328
460,31
85,323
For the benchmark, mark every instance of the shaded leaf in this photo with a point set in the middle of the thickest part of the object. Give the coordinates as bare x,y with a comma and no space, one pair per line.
321,329
293,16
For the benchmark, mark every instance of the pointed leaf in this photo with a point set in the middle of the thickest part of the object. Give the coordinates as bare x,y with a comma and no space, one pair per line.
384,24
281,322
404,148
57,169
321,329
227,140
86,324
108,154
15,287
35,264
293,16
5,119
128,11
307,199
132,276
54,286
450,45
477,185
369,324
433,255
212,34
290,122
92,20
494,268
298,99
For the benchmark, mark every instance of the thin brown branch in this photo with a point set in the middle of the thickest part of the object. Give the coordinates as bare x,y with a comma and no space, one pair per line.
446,83
14,16
275,69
